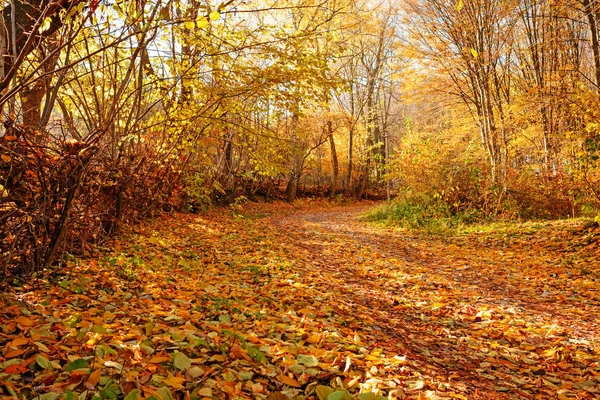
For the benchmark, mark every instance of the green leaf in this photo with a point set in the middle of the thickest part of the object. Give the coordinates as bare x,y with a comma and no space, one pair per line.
181,361
73,320
43,362
68,395
133,395
48,396
77,364
196,372
246,375
107,349
99,329
323,392
338,395
297,369
165,393
366,396
309,361
225,319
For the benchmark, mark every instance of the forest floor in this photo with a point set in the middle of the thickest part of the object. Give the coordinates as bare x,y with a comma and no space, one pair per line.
278,301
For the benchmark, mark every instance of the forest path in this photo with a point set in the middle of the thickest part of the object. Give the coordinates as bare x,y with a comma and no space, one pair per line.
515,313
277,301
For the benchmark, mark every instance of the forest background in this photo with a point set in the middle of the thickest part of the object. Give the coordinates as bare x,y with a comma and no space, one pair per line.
461,110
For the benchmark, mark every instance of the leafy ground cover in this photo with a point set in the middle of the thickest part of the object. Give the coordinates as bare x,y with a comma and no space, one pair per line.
277,301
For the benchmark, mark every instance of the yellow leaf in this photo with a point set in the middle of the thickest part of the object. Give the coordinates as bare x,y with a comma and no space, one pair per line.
189,25
46,24
459,5
174,381
474,53
201,22
549,353
205,392
313,339
214,15
218,357
257,388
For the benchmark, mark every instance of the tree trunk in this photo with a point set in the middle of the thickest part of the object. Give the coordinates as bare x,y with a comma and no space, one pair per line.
31,98
334,159
588,8
27,15
292,187
350,155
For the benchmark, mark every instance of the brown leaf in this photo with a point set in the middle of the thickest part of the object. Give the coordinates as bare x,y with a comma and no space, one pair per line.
277,396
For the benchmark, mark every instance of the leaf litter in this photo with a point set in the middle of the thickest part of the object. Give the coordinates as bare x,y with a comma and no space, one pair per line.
280,302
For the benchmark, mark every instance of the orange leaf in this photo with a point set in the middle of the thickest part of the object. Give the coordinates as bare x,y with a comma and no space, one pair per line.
159,359
22,320
289,381
94,377
14,353
20,341
16,369
174,381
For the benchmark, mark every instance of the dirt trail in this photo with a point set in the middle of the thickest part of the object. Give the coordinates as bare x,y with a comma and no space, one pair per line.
488,317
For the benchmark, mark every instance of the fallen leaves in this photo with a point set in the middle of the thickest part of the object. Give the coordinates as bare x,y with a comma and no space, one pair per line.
305,303
181,361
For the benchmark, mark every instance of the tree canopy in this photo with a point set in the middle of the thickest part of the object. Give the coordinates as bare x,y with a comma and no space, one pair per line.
113,111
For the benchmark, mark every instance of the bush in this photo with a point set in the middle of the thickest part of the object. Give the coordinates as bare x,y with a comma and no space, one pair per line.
422,212
60,195
536,196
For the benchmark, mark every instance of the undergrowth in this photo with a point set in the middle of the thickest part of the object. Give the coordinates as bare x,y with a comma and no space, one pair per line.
424,213
435,216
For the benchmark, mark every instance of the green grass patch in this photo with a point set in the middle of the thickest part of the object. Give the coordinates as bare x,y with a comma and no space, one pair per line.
437,217
431,215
